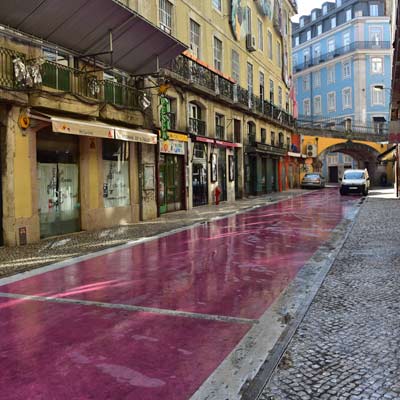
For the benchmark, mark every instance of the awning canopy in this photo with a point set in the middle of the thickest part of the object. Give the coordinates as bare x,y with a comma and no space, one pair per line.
379,119
84,27
72,126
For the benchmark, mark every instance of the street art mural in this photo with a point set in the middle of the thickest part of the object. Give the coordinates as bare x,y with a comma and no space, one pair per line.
266,7
237,19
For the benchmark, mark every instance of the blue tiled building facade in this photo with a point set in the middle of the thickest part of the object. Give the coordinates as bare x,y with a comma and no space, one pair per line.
342,64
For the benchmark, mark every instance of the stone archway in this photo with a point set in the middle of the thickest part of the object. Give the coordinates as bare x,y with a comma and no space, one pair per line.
366,156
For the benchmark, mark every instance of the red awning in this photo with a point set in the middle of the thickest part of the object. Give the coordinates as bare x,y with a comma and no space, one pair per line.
84,26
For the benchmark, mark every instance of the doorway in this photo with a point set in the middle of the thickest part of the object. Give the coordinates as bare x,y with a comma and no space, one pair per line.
58,183
333,174
171,183
222,174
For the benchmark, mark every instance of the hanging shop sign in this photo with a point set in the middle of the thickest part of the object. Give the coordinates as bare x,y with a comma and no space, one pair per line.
164,117
73,127
135,135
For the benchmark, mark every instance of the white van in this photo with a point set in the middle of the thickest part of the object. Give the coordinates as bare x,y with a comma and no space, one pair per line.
355,181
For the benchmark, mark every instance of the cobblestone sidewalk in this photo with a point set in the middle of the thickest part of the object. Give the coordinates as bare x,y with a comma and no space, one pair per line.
19,259
348,345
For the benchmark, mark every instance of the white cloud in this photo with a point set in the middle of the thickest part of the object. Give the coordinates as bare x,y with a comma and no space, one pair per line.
305,7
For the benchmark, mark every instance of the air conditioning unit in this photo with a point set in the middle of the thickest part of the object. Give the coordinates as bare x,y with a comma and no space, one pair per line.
251,42
311,150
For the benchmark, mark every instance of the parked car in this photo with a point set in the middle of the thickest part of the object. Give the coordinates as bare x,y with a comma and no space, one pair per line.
313,180
355,181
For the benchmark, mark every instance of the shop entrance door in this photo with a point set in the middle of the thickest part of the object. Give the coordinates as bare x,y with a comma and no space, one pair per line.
222,174
58,183
1,208
171,183
264,170
199,175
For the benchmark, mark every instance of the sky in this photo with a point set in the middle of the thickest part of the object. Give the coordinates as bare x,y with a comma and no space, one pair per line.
305,7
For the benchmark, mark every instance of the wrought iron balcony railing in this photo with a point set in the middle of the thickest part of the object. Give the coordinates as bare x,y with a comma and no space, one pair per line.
219,131
66,79
197,126
191,71
341,51
345,125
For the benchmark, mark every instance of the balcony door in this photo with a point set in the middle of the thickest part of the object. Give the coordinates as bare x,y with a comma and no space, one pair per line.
195,123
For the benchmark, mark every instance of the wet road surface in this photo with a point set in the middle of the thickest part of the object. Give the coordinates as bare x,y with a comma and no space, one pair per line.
154,320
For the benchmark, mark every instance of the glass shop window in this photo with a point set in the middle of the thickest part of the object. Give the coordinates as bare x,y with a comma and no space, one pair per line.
116,191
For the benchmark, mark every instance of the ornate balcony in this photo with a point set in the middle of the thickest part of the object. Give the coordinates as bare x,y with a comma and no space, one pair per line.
188,71
341,51
197,126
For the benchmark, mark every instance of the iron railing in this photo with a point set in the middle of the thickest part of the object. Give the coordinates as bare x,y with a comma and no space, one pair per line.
119,94
193,72
315,60
219,131
343,124
197,126
66,79
7,78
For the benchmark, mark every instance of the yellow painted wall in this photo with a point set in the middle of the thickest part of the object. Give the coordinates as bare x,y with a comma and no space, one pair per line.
22,177
93,174
324,143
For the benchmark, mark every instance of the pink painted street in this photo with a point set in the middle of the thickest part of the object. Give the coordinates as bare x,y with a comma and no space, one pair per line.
152,321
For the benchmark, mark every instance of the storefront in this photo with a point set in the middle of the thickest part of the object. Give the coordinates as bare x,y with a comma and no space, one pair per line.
200,170
58,183
84,174
262,168
172,173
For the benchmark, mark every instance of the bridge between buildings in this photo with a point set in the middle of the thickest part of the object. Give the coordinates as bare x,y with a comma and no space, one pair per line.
360,140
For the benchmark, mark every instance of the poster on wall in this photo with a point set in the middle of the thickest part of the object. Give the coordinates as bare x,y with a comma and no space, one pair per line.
116,183
148,177
214,174
231,166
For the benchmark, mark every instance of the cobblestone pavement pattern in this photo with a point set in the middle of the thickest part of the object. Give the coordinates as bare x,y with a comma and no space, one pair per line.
48,251
347,346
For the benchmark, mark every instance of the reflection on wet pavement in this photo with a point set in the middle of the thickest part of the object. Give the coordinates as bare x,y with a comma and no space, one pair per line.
233,267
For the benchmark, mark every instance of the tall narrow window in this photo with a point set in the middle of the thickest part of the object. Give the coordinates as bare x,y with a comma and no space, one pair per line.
376,65
317,79
348,15
306,107
260,35
165,15
217,54
195,38
346,70
217,4
235,66
248,20
331,101
347,100
377,96
374,10
280,98
262,87
279,54
333,22
250,79
317,105
346,41
271,91
270,51
331,75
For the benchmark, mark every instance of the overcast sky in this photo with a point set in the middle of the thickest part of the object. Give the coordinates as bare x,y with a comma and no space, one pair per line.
305,7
